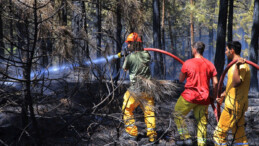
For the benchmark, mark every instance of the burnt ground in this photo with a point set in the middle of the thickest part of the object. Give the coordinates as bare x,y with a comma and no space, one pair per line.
89,114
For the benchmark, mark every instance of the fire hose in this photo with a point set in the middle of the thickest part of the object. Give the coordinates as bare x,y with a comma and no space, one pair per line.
217,111
164,52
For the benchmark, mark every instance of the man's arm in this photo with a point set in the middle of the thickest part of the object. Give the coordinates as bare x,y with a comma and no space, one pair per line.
215,86
236,75
182,77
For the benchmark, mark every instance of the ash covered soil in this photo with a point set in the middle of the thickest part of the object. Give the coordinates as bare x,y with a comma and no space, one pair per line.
90,114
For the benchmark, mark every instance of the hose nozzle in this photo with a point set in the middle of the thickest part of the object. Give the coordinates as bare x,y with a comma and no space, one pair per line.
119,55
123,53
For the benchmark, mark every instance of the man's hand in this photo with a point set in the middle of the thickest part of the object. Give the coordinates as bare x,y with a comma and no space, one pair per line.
236,81
240,61
222,96
124,53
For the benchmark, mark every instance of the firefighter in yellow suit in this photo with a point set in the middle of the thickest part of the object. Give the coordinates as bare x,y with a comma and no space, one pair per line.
137,63
236,101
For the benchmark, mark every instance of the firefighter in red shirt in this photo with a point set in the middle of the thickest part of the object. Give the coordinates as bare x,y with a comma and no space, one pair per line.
197,71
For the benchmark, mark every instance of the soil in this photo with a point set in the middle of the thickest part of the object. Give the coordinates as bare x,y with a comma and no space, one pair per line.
74,120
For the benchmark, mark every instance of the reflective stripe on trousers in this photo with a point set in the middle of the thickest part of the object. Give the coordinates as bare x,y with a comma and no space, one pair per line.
231,120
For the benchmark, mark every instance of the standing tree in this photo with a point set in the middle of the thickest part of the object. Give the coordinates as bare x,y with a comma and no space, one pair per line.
118,38
99,26
230,22
163,34
221,37
253,55
157,38
85,28
191,23
1,31
64,12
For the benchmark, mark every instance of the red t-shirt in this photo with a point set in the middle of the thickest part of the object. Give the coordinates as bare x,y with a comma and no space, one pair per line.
198,72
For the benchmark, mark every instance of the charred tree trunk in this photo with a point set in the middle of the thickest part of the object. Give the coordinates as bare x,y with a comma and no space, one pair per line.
1,33
11,28
118,39
28,73
163,36
27,40
210,41
253,55
221,35
86,45
230,22
64,13
21,44
99,27
158,69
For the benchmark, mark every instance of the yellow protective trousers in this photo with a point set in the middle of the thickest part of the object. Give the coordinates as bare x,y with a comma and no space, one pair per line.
182,108
129,104
234,120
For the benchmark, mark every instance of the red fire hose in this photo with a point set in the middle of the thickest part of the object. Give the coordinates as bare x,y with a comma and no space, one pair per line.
217,111
164,52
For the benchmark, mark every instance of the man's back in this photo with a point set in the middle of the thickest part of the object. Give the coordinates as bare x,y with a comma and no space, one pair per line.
138,65
198,72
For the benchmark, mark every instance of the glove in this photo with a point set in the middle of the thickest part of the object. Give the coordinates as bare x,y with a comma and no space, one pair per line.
123,53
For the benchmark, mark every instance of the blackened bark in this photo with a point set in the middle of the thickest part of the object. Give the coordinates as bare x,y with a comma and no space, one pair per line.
64,12
21,44
28,74
221,35
118,39
1,33
11,28
86,45
163,37
211,33
230,22
99,27
158,69
253,55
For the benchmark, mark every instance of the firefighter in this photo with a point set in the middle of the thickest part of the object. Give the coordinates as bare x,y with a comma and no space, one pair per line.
137,63
197,71
236,101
